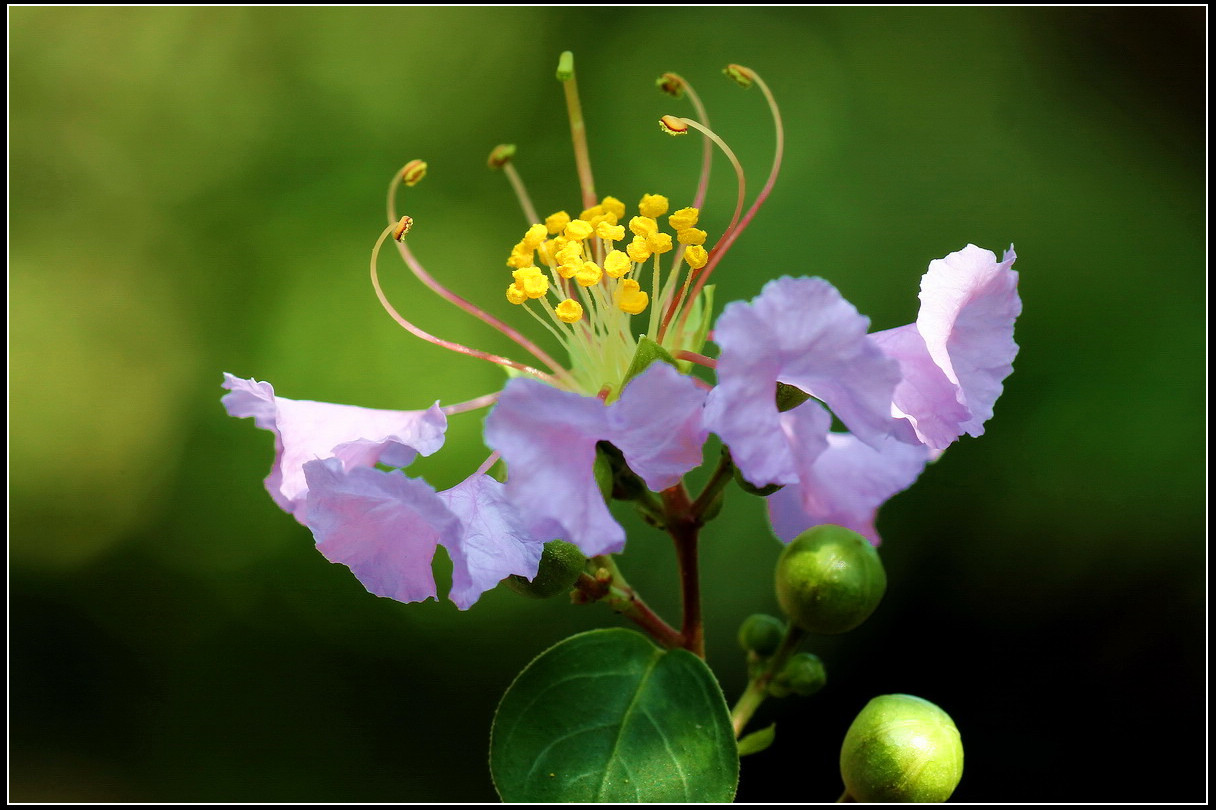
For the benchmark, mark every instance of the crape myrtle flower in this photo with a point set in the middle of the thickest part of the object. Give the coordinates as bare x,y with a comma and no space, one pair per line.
594,281
905,393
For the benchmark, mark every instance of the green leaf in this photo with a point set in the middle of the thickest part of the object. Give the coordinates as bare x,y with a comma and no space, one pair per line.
607,716
757,741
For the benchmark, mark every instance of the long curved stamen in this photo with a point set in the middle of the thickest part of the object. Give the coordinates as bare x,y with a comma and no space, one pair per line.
487,464
429,338
675,85
443,292
484,401
578,128
676,125
500,158
745,77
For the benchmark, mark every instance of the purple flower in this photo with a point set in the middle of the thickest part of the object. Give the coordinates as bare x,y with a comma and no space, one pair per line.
905,394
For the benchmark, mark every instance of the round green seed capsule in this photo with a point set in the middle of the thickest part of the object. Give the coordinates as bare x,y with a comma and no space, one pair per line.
829,580
560,565
901,749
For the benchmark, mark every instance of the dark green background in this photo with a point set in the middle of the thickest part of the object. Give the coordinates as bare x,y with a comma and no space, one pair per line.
196,190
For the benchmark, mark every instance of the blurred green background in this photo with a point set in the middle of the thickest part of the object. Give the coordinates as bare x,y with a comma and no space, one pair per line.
196,190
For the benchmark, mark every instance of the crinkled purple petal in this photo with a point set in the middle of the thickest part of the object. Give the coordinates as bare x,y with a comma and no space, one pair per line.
657,425
969,302
547,439
849,482
492,542
382,525
924,396
304,431
801,332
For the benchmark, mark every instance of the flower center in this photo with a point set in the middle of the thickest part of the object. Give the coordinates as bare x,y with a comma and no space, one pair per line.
573,277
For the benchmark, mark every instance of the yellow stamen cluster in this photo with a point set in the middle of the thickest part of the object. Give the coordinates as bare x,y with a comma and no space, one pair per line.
581,272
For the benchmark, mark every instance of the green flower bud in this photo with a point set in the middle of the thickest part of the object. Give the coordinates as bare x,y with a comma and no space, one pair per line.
560,565
761,634
829,580
804,674
901,749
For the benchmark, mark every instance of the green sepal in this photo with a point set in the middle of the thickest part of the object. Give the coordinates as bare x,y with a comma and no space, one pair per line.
752,489
647,352
789,397
757,741
560,565
608,716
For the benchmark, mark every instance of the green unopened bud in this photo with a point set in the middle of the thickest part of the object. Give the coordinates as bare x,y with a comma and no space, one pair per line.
829,580
804,674
560,565
761,634
901,749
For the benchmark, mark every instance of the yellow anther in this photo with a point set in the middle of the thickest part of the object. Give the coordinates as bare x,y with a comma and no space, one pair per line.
572,252
739,75
673,125
578,230
568,269
569,311
535,235
613,206
591,214
556,223
545,250
534,285
617,263
413,171
515,294
614,233
501,155
589,274
403,227
639,250
671,84
630,298
520,257
653,206
696,256
684,218
659,242
691,236
643,226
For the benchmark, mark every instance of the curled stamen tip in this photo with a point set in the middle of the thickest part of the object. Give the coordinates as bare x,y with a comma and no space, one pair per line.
671,84
565,66
673,125
413,171
402,228
740,75
501,155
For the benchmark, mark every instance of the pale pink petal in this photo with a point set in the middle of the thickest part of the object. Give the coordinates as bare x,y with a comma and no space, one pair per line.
969,302
800,332
304,431
382,525
492,543
849,482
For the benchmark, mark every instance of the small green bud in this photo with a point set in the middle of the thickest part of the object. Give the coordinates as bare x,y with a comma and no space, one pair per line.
804,674
560,565
829,579
761,634
901,749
